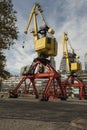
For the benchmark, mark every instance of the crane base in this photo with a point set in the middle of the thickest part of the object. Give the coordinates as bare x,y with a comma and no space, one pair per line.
74,81
40,69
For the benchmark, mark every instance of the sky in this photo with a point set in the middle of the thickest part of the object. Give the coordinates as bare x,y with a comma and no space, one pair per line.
68,16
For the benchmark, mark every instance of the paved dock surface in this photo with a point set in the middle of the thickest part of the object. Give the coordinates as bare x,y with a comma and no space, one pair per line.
31,114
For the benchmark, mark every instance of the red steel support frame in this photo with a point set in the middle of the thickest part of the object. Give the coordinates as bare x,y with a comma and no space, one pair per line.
52,75
73,81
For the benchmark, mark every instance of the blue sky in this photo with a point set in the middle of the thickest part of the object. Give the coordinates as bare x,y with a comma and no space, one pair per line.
63,16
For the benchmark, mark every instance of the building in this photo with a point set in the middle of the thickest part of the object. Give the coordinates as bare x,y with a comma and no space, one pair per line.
52,62
63,66
10,83
86,62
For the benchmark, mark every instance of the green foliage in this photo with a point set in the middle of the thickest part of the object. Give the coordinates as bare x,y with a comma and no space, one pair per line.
5,74
2,61
8,30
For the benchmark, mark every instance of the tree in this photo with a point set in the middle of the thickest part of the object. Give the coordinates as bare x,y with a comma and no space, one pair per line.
8,30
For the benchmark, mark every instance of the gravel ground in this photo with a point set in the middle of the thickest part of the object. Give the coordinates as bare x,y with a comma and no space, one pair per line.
31,114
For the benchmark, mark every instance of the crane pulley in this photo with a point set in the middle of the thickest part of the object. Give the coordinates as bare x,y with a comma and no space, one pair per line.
45,45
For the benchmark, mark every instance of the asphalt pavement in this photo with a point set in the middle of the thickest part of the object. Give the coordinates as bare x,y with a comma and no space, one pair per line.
32,114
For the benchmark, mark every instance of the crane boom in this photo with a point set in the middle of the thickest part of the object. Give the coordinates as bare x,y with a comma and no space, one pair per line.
65,50
30,18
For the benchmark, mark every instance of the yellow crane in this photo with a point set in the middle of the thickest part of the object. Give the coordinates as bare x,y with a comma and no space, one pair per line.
72,62
45,45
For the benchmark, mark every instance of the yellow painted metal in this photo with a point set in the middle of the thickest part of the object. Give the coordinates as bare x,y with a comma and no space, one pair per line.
76,66
47,46
65,50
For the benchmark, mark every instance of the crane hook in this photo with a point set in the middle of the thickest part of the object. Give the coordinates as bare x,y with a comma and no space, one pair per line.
23,45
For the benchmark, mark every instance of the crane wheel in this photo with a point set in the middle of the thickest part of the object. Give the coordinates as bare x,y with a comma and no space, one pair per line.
63,98
12,95
37,97
44,99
